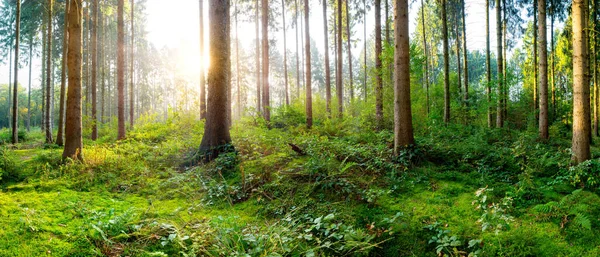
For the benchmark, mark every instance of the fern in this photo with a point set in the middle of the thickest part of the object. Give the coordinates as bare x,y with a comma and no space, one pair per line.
582,221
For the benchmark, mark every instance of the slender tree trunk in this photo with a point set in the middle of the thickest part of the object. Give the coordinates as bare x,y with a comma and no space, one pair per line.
488,65
131,72
327,68
365,49
349,41
216,132
309,118
265,58
10,78
202,79
403,130
43,74
499,109
258,83
285,70
425,55
237,67
581,89
49,139
102,66
535,59
543,67
465,55
504,71
94,51
15,107
29,87
73,135
594,45
387,22
458,61
378,67
338,76
446,64
121,70
63,79
297,53
552,61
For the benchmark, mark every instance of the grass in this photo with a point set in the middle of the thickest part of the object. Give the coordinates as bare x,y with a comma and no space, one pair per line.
346,196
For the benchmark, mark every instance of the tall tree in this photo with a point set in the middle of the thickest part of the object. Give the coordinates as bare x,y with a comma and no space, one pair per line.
446,64
49,139
403,130
581,87
265,60
488,64
327,68
338,72
499,109
258,84
425,55
535,58
378,67
465,53
131,72
237,66
216,138
121,70
365,49
202,80
29,86
349,42
543,67
15,107
297,53
309,117
285,71
73,138
63,79
94,54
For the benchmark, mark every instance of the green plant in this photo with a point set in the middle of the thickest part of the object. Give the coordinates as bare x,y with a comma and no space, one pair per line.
494,215
569,210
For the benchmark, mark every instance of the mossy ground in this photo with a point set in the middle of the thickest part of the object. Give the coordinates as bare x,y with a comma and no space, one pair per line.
346,196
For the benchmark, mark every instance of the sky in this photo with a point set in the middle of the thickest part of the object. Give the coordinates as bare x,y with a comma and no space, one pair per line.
177,26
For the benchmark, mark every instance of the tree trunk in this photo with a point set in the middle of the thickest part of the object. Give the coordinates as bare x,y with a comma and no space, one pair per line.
285,71
237,67
446,64
29,87
265,58
365,49
131,74
403,130
121,70
425,55
94,51
15,107
543,67
338,76
216,136
378,67
581,89
348,36
594,67
63,80
49,139
488,62
465,56
43,74
73,138
297,53
327,68
535,59
10,70
499,109
258,83
309,118
457,43
202,79
552,54
102,66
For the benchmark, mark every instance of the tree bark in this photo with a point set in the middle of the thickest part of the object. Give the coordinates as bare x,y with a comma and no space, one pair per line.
216,138
403,130
499,108
237,67
73,138
535,59
121,70
285,71
338,76
465,57
63,80
543,67
327,68
49,139
457,43
425,55
265,58
365,49
488,62
29,87
131,73
15,107
446,64
258,83
581,89
202,79
309,117
349,42
94,51
297,53
378,67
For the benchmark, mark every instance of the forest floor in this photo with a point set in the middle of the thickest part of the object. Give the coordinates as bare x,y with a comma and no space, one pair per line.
460,191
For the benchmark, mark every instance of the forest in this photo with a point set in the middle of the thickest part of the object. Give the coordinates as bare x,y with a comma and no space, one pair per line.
299,128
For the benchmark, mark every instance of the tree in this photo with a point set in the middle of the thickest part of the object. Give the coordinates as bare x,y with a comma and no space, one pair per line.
424,54
465,53
446,64
309,118
258,84
338,72
202,80
15,107
581,88
94,51
48,104
403,130
327,68
120,70
285,72
131,73
265,59
488,64
73,139
216,138
348,36
543,69
63,80
378,66
499,109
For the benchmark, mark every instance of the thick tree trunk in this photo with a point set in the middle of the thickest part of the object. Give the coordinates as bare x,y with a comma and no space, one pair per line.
121,70
378,67
446,64
49,139
327,68
338,76
131,73
202,79
499,108
581,89
543,67
488,62
265,58
535,59
15,107
258,83
309,118
594,67
73,138
403,130
63,80
285,70
216,136
349,42
102,66
94,51
425,55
